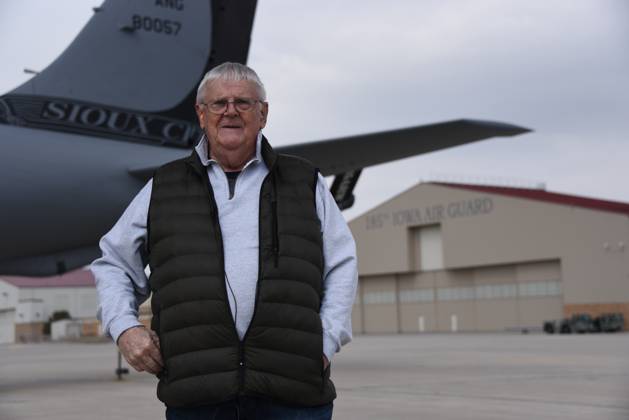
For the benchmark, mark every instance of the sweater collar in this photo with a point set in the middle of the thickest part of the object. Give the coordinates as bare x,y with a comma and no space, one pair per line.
199,157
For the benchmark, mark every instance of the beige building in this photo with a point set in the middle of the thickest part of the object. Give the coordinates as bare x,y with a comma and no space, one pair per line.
26,303
454,257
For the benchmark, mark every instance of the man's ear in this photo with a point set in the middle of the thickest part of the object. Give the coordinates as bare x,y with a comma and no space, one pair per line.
264,113
199,110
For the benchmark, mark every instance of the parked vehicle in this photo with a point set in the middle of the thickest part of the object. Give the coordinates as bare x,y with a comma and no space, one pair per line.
584,323
610,322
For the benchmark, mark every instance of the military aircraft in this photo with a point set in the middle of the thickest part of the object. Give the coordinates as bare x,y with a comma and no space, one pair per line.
80,138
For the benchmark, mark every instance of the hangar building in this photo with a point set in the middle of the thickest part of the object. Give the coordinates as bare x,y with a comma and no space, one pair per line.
459,257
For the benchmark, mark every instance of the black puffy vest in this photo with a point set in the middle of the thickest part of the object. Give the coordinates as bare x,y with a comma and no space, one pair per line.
280,357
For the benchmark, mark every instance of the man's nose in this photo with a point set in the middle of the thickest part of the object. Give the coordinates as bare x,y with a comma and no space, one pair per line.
231,109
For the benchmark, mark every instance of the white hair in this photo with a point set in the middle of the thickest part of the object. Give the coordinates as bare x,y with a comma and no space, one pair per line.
233,72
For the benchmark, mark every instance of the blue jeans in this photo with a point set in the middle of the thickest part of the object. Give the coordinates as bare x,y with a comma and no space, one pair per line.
250,408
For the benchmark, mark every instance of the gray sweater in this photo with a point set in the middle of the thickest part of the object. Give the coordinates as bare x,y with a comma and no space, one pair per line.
122,282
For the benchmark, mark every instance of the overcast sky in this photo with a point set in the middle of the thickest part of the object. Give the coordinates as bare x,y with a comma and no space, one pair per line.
336,68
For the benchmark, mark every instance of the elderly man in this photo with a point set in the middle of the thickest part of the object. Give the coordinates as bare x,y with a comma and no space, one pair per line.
253,270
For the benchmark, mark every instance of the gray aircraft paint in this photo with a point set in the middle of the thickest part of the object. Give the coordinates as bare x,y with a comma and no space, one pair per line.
61,192
127,65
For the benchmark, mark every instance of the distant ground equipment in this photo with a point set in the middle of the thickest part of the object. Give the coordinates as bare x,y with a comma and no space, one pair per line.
585,323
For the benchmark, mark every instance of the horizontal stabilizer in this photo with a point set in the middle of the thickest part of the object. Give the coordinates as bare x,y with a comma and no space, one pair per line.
347,154
344,156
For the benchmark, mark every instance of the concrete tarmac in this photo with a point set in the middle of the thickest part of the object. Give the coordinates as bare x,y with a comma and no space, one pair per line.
432,376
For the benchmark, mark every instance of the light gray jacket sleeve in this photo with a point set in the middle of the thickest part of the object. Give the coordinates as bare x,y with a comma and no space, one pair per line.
121,282
340,276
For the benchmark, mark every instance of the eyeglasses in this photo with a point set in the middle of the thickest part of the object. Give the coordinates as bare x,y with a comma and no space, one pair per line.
241,105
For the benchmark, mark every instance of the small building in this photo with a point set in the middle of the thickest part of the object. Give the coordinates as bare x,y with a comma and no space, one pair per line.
33,300
458,257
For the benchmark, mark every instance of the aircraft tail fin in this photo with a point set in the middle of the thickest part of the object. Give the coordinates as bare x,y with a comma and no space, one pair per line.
132,71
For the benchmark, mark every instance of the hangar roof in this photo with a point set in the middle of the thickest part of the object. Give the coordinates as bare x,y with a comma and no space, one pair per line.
542,195
77,278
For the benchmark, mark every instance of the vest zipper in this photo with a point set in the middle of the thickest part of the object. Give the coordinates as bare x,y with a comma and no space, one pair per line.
219,239
241,366
257,296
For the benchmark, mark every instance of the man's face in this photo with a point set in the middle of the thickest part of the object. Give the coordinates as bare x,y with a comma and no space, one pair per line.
232,129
